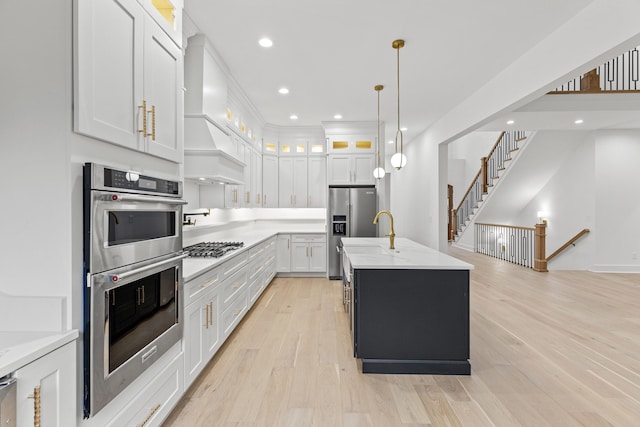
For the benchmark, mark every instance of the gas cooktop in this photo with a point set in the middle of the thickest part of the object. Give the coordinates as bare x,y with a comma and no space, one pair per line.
212,249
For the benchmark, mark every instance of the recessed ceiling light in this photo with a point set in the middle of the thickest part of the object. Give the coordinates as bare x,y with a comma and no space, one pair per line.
265,42
293,117
403,129
283,90
579,121
510,122
202,179
337,116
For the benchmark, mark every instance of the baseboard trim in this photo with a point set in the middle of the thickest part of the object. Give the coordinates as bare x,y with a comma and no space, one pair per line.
613,268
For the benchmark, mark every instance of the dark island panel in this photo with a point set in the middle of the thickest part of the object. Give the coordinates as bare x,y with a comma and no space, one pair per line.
412,321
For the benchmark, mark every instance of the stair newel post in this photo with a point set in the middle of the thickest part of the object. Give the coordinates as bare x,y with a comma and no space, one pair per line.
485,179
540,260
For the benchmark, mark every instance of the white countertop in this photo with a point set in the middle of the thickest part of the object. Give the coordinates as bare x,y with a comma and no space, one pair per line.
18,349
193,267
374,253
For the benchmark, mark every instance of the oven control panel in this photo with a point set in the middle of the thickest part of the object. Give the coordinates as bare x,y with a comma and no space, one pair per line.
99,177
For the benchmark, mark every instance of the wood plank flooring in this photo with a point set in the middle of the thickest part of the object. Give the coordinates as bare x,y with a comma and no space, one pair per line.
547,349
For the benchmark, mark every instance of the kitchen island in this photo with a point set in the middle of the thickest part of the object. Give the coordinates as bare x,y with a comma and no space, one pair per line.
408,307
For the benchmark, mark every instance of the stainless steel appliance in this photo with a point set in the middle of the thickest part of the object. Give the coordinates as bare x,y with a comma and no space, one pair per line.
133,277
351,213
8,402
212,249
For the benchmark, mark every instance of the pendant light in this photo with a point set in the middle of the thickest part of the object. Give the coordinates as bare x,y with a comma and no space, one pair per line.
398,160
378,172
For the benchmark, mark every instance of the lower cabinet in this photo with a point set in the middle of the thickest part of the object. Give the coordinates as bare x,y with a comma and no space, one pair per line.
46,389
154,402
309,253
201,333
283,253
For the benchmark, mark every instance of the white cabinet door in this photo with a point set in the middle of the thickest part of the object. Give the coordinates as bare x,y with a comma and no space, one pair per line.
283,257
339,169
106,97
317,187
300,182
318,257
213,327
195,318
53,378
299,257
269,181
362,167
163,81
285,182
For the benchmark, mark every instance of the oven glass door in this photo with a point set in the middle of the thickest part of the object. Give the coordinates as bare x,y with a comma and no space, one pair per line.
130,228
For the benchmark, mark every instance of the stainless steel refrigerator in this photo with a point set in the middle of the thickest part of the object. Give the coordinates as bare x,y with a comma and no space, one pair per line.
351,213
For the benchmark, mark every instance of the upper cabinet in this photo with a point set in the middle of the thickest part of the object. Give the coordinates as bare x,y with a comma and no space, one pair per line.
137,104
351,144
168,15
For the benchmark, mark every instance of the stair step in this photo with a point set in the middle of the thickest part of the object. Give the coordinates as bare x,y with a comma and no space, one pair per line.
513,149
521,139
508,159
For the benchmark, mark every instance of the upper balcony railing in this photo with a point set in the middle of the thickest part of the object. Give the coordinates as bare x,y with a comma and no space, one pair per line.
621,74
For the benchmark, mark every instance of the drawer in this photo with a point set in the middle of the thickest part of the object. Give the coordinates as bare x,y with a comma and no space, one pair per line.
270,244
234,312
254,268
308,238
198,286
233,285
229,267
255,288
256,251
157,399
269,272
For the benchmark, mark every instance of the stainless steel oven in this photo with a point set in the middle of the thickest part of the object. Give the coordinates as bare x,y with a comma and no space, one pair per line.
133,270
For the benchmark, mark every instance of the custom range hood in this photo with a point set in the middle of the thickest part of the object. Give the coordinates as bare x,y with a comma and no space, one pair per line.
210,154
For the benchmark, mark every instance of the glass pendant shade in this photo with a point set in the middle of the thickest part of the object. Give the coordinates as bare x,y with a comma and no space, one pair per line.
398,160
378,173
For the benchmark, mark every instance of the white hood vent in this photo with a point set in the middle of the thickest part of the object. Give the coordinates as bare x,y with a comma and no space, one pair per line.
209,153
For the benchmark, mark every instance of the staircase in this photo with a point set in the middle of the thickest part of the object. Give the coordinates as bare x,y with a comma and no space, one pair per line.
493,168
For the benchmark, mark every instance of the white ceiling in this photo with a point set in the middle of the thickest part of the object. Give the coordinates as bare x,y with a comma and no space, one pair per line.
331,53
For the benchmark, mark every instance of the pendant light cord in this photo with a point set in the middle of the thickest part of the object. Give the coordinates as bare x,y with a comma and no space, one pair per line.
398,44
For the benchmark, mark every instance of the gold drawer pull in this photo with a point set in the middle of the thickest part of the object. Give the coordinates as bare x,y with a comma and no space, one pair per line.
146,420
36,406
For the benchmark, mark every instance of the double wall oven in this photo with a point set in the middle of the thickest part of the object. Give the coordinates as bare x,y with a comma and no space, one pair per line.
133,277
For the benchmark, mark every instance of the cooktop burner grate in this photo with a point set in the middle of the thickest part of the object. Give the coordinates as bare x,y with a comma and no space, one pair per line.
212,249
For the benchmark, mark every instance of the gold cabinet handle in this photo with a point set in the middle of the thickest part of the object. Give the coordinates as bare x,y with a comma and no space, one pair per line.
143,131
311,250
210,314
36,406
146,420
248,197
265,200
153,123
206,316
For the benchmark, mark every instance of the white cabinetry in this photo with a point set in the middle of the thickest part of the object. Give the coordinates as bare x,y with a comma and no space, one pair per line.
283,257
317,182
256,179
201,323
137,104
351,169
269,181
309,253
46,389
292,182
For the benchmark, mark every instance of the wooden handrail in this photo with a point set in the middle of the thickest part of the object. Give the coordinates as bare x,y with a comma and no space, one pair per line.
496,144
506,226
468,190
570,242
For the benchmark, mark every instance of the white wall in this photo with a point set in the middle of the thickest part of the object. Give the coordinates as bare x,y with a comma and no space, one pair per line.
617,209
568,198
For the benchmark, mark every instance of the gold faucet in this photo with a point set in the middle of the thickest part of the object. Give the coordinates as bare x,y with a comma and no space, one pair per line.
391,234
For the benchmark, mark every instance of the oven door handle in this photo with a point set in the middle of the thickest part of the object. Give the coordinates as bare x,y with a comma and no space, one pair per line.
117,277
119,197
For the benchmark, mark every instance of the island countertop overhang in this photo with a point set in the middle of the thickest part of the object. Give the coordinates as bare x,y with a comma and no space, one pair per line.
374,253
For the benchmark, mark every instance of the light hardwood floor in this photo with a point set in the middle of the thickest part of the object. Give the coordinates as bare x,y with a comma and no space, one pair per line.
547,349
